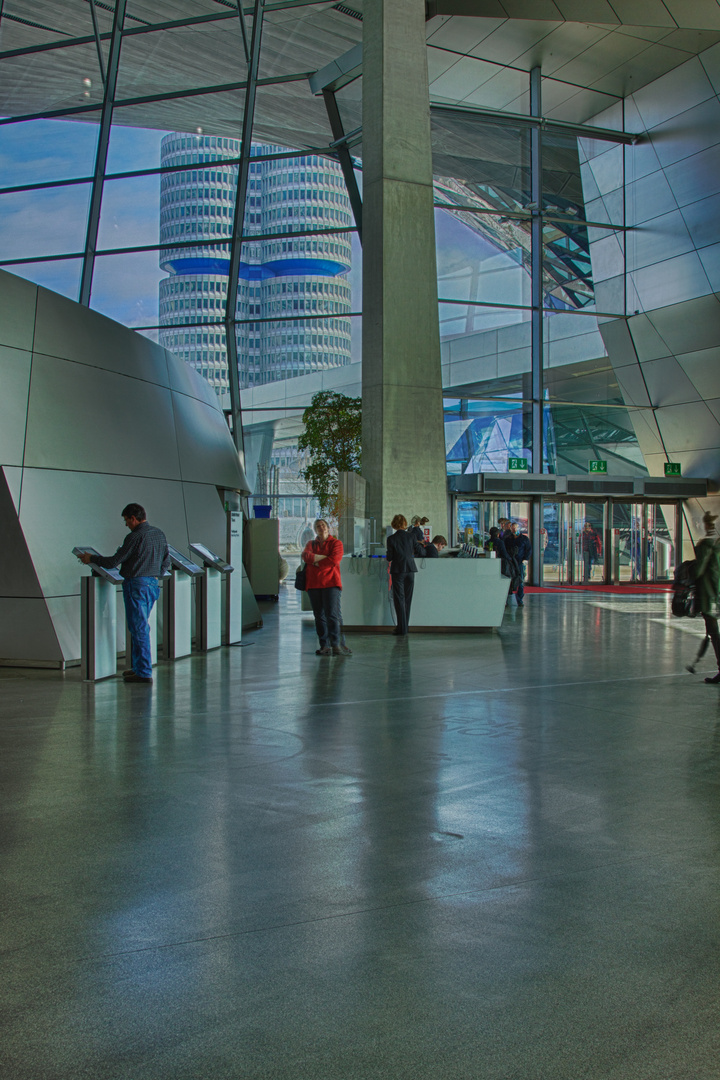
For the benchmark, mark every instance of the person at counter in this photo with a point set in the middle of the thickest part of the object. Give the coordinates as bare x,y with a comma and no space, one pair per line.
142,558
324,587
434,547
400,555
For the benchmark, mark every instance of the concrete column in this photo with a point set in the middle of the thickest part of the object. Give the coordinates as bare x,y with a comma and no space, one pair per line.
403,439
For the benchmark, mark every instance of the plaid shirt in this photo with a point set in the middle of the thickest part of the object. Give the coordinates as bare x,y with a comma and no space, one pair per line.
144,553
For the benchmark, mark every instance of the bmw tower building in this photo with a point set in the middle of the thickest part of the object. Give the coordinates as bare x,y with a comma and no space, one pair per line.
293,297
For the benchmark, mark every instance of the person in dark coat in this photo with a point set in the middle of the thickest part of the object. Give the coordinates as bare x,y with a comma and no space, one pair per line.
522,552
707,585
434,547
400,555
508,563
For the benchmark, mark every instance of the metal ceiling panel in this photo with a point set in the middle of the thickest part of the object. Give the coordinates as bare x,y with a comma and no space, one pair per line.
643,12
695,13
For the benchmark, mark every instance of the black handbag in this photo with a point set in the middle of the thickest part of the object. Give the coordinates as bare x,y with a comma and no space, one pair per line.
301,578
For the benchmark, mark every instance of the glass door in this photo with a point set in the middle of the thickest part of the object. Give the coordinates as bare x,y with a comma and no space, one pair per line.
660,553
555,543
629,554
588,520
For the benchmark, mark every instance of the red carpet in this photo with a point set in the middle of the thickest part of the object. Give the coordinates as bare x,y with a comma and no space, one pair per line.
628,589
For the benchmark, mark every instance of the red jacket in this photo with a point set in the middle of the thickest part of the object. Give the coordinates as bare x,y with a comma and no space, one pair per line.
326,573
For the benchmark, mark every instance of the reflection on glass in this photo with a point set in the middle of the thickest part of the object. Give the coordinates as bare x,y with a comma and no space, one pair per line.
63,78
471,266
480,436
303,39
480,164
40,151
628,538
588,533
555,542
181,58
349,102
661,555
46,222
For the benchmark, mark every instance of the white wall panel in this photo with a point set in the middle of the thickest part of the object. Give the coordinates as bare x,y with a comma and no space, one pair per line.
695,177
689,327
648,198
671,282
674,93
26,631
667,383
13,479
89,419
96,500
703,221
710,61
618,341
71,332
688,428
206,518
15,383
657,240
205,445
710,258
17,311
689,133
186,380
64,612
703,369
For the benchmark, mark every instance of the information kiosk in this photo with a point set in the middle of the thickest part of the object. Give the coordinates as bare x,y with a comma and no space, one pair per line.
177,605
98,622
209,598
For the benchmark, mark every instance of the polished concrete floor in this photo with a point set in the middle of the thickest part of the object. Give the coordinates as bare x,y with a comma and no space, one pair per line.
491,856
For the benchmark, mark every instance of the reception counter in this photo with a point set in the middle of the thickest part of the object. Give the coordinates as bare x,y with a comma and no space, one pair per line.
461,595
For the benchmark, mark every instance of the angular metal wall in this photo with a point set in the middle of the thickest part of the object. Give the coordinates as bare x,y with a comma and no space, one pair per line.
92,416
667,353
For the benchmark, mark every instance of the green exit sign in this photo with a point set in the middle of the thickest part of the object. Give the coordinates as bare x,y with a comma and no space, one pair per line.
672,468
517,464
597,466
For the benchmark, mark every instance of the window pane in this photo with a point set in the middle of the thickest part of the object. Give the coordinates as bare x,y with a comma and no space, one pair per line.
480,435
482,258
39,151
478,163
130,213
184,58
213,115
125,287
55,79
49,222
281,112
349,103
61,277
306,39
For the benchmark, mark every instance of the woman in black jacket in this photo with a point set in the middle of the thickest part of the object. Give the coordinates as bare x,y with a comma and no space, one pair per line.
400,550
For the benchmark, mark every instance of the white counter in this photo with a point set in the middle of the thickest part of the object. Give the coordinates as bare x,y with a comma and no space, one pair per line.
450,594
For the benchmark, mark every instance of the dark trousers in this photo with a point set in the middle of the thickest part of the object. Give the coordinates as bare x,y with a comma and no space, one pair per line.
402,589
326,609
711,629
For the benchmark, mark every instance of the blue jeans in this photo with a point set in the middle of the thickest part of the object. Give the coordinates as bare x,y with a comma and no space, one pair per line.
326,609
140,594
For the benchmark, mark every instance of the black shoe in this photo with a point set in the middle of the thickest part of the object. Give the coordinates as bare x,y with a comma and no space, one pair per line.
127,673
520,603
138,678
398,633
715,678
325,651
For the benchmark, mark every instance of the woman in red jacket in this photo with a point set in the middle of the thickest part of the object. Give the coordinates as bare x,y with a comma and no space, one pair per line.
322,556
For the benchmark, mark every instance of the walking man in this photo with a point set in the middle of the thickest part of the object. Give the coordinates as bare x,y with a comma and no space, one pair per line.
142,558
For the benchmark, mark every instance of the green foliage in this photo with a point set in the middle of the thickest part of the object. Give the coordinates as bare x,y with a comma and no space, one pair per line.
333,426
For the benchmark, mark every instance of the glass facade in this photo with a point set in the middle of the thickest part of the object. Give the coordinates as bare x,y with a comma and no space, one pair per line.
128,165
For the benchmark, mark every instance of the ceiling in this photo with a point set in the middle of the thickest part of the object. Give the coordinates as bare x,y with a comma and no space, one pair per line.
475,61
